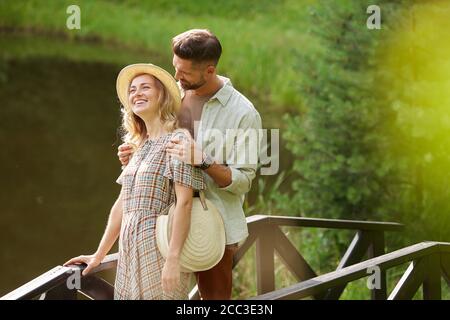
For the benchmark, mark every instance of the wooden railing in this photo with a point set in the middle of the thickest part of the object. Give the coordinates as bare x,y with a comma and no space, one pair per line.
266,233
429,260
53,285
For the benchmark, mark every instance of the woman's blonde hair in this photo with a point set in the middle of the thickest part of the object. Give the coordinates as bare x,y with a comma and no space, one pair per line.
133,127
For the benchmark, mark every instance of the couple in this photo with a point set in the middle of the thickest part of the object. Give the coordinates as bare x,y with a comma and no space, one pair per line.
154,111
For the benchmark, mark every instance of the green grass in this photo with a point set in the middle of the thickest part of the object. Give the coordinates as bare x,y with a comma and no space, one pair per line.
28,46
258,37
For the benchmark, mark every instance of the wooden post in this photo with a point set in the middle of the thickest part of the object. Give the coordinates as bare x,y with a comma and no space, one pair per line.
265,269
445,266
432,281
376,249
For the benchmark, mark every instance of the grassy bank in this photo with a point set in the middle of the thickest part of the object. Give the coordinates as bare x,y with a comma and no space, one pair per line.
259,37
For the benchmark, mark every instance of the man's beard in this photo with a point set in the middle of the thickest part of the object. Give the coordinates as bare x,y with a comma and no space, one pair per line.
192,86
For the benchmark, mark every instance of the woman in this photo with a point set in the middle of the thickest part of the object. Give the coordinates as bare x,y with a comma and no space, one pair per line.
151,100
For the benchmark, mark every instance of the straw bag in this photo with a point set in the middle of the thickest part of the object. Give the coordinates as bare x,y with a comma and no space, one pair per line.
205,244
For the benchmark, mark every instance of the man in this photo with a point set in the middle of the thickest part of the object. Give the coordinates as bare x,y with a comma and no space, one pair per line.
211,105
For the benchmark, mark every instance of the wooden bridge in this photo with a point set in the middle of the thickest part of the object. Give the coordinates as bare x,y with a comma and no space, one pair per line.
429,261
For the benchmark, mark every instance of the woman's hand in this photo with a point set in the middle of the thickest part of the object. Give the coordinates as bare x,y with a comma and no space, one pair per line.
124,153
91,260
170,278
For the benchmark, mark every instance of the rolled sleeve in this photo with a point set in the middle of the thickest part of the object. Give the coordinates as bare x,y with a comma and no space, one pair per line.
241,180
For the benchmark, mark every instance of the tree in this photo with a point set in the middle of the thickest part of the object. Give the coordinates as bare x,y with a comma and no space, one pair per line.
370,139
335,138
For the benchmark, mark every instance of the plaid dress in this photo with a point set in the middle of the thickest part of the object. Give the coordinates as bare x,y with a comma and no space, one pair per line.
146,193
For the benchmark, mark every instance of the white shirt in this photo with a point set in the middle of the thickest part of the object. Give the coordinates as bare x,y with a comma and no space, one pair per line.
226,110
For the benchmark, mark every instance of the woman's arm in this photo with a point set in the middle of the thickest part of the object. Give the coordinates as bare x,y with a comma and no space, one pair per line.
110,236
112,230
180,230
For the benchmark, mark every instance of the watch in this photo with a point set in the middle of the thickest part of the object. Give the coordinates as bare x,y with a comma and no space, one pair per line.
207,162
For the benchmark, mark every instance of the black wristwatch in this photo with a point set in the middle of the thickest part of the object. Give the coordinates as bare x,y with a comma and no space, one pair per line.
206,162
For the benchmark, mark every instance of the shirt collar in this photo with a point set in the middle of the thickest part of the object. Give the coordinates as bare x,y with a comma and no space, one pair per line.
224,93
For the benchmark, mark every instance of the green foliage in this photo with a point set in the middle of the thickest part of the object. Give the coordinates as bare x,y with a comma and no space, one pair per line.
370,138
334,138
270,200
365,148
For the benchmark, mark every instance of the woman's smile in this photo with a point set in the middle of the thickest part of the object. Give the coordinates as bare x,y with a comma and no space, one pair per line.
140,101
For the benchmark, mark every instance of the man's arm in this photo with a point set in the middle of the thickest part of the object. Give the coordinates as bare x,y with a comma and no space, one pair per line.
237,177
220,173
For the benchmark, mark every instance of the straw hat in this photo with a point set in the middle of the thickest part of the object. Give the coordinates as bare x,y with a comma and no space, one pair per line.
127,74
205,244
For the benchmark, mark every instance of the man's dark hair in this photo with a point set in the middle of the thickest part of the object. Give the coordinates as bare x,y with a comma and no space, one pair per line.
197,45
